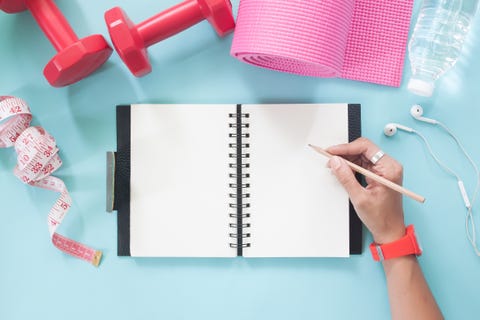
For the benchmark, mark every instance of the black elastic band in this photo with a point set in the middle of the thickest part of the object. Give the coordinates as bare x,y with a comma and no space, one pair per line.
355,132
122,180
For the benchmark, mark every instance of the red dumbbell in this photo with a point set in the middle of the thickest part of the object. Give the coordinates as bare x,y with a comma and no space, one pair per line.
76,58
131,41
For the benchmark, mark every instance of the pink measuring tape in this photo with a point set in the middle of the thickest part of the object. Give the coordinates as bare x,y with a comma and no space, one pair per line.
37,159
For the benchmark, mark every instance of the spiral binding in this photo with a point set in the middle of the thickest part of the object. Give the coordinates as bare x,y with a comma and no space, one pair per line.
239,186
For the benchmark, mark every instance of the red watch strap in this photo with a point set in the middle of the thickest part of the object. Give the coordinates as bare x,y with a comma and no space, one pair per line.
404,246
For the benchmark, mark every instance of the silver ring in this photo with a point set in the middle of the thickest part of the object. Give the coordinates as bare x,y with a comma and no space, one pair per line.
377,156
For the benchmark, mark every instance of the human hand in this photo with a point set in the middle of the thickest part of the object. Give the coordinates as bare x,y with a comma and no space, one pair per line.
379,207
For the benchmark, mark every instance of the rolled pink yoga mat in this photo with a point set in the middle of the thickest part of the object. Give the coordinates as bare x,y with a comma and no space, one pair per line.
362,40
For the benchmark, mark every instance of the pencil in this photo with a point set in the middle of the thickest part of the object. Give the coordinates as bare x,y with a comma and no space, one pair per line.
374,176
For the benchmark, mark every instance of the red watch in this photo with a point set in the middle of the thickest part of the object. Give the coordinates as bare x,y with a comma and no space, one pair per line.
405,246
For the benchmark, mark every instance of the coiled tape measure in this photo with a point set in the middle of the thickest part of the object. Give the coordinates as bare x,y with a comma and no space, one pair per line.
37,159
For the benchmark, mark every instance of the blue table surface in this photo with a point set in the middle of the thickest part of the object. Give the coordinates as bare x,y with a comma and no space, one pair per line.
39,282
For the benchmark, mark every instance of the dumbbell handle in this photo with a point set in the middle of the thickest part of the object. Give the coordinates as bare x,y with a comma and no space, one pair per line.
170,22
49,18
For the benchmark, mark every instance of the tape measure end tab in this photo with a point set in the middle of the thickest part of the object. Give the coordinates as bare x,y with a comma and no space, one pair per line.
97,258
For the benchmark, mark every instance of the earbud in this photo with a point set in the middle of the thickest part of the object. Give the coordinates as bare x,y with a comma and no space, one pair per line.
417,112
391,128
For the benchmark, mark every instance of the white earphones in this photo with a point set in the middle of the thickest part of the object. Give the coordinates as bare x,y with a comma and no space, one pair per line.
417,113
391,129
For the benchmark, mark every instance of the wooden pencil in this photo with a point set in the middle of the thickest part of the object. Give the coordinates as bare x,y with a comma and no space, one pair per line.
374,176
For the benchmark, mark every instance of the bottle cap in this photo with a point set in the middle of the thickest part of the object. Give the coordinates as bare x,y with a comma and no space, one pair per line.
421,87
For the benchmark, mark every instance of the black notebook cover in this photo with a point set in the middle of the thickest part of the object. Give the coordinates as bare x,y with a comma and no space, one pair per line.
122,180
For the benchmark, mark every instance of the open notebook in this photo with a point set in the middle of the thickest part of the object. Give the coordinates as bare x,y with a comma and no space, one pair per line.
232,180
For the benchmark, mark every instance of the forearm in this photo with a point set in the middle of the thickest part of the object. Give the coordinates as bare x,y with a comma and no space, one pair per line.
409,294
381,210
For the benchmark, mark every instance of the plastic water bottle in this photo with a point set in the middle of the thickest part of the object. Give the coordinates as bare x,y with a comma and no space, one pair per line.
437,41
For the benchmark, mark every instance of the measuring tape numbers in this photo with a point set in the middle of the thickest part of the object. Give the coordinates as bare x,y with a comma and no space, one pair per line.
37,159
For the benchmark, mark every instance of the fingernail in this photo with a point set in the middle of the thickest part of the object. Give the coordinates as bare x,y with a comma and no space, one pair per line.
335,163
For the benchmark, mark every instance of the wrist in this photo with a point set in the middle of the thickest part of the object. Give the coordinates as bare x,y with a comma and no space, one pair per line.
390,235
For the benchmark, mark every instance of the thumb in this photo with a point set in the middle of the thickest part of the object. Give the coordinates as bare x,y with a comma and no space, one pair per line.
345,176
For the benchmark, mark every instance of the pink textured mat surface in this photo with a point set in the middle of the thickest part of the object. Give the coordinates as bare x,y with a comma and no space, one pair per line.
362,40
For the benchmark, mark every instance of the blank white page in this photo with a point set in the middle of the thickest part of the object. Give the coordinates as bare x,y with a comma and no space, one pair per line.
179,181
297,207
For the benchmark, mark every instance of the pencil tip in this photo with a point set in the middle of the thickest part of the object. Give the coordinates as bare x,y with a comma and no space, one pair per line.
310,145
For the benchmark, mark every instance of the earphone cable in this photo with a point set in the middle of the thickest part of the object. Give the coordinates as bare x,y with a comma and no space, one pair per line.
440,163
475,167
469,219
471,235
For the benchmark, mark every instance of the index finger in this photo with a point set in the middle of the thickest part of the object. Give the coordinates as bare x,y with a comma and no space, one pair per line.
361,151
